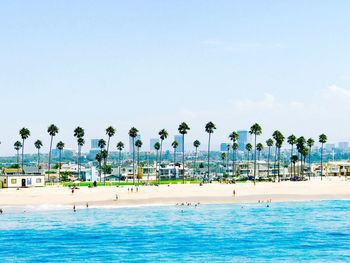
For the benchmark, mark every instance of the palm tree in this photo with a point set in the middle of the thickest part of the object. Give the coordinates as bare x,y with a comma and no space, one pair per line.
310,142
24,133
138,145
163,134
79,134
133,132
196,144
233,137
223,158
17,145
157,147
279,139
248,147
183,128
38,144
294,159
256,130
98,158
228,148
101,144
259,148
322,139
234,150
110,131
209,128
300,143
174,145
52,131
304,153
120,147
81,143
104,166
291,140
269,143
60,146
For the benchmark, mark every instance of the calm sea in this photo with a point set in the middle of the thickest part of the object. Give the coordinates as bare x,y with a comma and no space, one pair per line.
283,232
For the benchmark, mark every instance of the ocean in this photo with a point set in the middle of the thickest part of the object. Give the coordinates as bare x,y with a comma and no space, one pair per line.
283,232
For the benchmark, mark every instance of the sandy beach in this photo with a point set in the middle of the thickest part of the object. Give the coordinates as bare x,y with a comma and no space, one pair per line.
328,189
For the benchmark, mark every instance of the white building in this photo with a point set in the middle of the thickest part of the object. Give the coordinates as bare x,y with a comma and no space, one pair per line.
21,180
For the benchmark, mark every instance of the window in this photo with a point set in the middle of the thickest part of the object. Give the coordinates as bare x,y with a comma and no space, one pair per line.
38,180
13,181
5,181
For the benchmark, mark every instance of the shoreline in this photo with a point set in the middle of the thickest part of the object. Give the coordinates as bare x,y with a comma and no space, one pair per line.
215,193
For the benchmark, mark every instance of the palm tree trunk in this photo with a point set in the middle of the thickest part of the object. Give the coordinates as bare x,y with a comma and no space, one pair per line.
59,168
183,158
258,163
309,163
209,156
50,157
227,160
254,157
268,162
279,159
233,162
105,160
157,171
22,156
133,161
38,160
138,163
120,162
17,158
160,156
175,161
321,161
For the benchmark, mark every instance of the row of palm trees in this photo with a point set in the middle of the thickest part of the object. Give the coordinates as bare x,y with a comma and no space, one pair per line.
303,146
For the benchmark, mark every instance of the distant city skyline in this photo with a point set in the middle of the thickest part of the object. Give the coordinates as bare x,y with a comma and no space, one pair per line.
154,64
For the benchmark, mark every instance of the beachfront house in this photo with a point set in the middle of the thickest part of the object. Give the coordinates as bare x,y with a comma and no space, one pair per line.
16,178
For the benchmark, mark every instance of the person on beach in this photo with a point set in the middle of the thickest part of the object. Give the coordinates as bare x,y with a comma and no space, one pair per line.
234,192
87,205
116,197
72,190
1,211
74,210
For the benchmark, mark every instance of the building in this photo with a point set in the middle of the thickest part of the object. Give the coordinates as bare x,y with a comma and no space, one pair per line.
343,146
15,178
66,153
223,147
178,139
94,144
152,142
330,146
138,137
94,149
244,137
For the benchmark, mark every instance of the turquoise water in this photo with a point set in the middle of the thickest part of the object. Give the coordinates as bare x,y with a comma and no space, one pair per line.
283,232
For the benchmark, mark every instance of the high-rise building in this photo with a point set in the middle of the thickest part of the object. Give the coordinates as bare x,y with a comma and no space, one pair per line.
152,142
138,137
94,144
343,145
329,146
243,138
223,147
94,149
178,139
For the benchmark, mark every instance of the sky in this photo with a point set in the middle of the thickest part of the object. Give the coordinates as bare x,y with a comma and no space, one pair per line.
153,64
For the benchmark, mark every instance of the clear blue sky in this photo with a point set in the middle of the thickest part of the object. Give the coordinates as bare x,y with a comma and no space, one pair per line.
153,64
